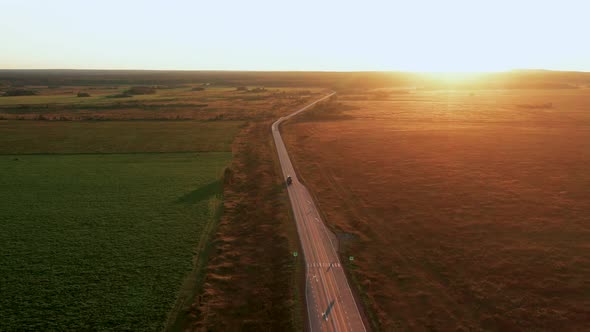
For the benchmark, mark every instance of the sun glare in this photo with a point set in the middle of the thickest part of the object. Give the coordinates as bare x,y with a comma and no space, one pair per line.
454,77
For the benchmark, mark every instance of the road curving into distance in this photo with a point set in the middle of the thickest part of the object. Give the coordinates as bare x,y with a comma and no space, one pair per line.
330,303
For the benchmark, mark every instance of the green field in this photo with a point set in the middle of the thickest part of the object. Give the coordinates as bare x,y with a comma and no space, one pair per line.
99,242
102,221
115,136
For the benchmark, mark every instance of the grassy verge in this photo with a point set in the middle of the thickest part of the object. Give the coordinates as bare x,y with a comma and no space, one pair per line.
193,283
251,280
358,288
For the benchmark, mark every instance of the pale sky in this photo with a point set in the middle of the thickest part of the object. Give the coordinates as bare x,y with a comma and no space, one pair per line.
438,35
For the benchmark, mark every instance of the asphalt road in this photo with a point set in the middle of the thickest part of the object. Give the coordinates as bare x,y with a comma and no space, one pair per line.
330,303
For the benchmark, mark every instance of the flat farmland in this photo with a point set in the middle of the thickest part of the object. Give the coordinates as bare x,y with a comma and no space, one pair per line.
116,136
74,257
118,208
98,231
463,210
186,102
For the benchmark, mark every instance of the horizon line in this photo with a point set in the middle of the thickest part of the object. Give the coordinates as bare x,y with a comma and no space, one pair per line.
300,71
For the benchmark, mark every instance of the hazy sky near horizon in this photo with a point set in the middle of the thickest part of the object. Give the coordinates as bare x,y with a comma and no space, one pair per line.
295,35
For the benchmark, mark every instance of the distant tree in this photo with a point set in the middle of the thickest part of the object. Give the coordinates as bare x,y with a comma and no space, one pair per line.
536,106
120,95
141,90
83,94
257,90
381,94
20,92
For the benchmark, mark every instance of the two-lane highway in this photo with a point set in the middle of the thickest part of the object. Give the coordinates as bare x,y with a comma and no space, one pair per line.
330,303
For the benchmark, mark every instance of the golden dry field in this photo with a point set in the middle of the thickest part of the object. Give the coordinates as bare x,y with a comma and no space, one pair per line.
464,210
